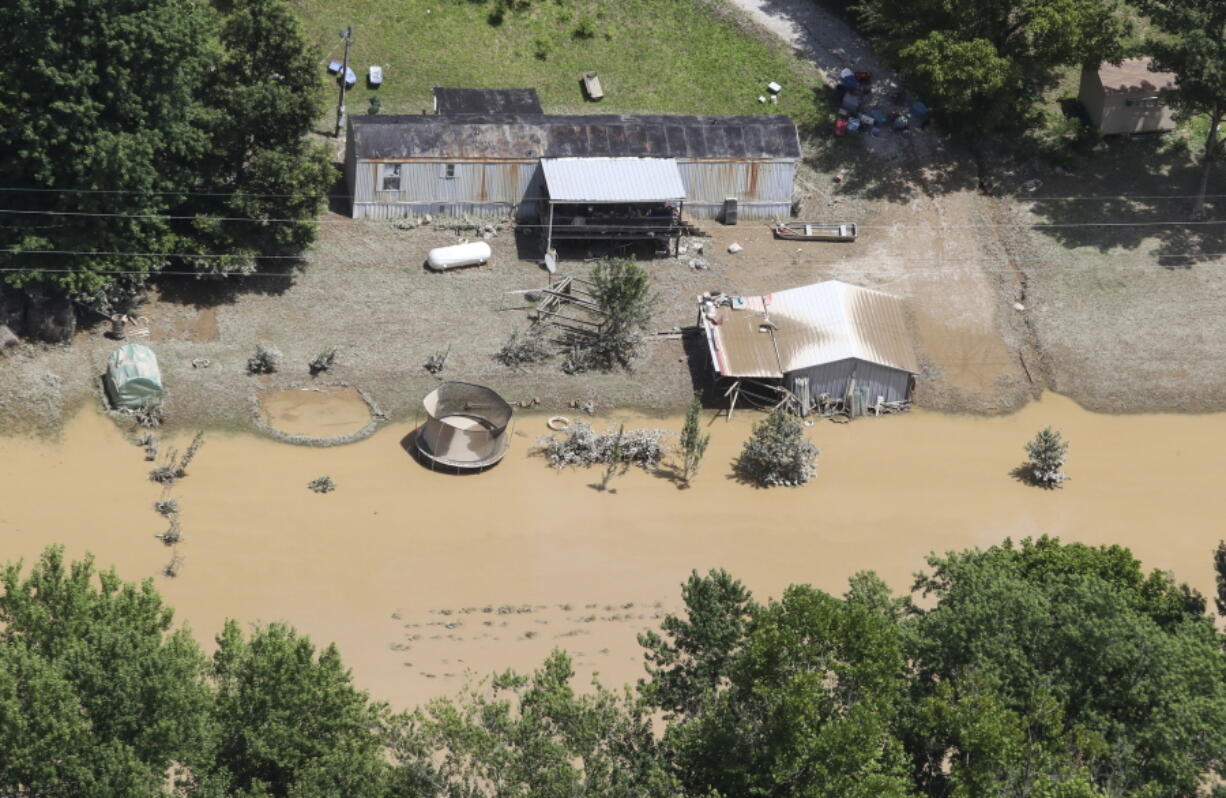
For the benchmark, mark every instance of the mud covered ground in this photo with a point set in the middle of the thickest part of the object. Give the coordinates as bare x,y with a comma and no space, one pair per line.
1122,303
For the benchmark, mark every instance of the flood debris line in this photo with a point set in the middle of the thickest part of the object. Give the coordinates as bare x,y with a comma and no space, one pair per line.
377,418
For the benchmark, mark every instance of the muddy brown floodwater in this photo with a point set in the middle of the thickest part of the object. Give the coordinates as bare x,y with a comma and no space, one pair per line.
420,577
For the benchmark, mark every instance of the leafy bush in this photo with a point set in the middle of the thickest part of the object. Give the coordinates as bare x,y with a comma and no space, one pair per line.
1047,453
586,29
777,453
581,446
265,361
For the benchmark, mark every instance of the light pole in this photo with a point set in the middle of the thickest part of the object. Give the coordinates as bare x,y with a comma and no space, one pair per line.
340,104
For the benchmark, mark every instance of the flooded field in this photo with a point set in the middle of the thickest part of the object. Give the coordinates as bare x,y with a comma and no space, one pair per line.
420,576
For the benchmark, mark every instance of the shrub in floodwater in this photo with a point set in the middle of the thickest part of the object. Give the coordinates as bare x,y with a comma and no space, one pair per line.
322,485
1046,456
581,446
190,454
173,534
171,568
150,414
167,507
265,361
693,442
777,453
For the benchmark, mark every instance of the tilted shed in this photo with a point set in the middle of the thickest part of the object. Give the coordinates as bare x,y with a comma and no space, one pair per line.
825,335
132,377
483,164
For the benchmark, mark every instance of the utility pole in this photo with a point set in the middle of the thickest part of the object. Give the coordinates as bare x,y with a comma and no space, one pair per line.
340,104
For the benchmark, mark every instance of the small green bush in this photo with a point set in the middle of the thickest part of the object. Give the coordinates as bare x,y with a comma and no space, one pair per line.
777,453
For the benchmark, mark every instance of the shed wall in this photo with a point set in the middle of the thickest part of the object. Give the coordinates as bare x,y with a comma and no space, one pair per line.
763,188
1120,117
481,189
833,379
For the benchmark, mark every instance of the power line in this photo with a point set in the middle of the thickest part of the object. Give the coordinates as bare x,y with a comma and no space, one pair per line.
524,225
301,195
1115,266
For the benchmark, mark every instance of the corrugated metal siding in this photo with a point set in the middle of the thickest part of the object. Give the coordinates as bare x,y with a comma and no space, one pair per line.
751,182
711,210
763,188
475,188
833,379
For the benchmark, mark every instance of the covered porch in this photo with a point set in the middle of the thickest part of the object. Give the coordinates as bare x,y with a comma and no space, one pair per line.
612,198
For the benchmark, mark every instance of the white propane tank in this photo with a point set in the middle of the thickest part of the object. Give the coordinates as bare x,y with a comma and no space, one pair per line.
441,259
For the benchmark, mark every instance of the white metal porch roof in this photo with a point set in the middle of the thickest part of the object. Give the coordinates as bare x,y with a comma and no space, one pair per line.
606,180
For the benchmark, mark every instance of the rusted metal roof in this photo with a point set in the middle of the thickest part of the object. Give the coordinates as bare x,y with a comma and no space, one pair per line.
771,335
613,179
520,136
1133,75
486,101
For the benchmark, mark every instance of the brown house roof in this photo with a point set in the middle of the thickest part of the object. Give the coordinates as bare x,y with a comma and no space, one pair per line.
808,326
1133,76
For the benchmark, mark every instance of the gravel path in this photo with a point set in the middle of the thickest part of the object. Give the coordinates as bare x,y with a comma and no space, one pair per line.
833,45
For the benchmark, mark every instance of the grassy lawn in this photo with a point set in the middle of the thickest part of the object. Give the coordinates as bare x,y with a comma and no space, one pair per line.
668,56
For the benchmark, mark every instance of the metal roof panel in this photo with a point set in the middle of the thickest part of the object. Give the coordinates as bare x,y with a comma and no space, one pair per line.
613,179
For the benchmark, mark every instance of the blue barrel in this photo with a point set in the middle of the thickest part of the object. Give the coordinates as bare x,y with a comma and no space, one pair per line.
919,111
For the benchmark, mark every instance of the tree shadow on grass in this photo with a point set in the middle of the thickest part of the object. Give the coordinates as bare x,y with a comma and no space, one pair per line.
1131,193
271,278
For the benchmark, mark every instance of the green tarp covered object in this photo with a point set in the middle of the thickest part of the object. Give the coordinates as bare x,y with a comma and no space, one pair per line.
133,377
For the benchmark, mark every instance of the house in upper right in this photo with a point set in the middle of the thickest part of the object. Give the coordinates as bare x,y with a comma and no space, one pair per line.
1128,98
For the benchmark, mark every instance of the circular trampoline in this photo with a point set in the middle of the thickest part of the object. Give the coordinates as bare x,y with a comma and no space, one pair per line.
466,426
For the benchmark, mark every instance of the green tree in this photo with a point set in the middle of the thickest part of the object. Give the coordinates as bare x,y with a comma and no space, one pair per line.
622,289
1046,455
290,723
100,117
693,442
690,661
1219,569
529,736
261,101
984,65
809,710
125,114
1052,669
98,695
777,452
1192,44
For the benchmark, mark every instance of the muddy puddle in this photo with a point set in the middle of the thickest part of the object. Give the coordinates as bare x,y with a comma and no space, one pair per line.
326,412
420,577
